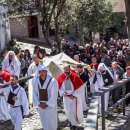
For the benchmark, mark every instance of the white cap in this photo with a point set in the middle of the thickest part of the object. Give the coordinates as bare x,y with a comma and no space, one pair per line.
11,53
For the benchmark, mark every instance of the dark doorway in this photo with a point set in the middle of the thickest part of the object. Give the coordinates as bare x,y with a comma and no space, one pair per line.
33,27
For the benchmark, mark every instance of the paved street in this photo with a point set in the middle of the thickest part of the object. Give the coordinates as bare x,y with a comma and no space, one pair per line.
33,122
113,122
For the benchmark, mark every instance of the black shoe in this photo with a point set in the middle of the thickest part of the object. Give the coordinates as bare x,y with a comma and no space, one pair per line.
73,127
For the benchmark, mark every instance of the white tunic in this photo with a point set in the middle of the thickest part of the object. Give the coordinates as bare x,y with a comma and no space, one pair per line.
99,84
16,113
4,109
73,108
13,68
48,116
32,68
92,88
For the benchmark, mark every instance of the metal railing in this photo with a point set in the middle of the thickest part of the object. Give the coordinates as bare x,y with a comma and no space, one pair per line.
24,79
92,117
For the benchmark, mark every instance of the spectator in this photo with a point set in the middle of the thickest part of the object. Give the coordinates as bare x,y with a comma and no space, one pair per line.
87,60
53,51
2,56
41,53
76,58
127,85
121,62
22,61
98,57
71,52
28,61
36,49
66,46
105,58
83,74
117,72
81,55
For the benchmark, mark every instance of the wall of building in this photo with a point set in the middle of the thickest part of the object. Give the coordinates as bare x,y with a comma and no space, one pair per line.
4,31
17,29
120,6
21,30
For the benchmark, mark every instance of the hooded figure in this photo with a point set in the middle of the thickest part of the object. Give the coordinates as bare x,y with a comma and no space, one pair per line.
45,93
103,78
4,110
11,63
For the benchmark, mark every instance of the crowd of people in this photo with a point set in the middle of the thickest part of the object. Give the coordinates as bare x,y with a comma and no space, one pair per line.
109,63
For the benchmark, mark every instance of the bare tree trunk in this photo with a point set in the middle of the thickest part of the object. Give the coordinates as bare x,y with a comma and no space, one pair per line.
127,4
45,32
57,37
81,34
90,36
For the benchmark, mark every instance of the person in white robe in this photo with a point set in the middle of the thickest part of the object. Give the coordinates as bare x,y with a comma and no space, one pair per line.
4,109
32,70
70,88
34,65
18,103
102,79
11,63
45,94
94,67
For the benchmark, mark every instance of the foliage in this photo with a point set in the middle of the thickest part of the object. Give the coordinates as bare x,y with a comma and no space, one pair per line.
13,42
93,15
61,15
13,46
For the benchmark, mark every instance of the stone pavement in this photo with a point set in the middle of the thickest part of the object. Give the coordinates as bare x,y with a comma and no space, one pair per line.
30,47
113,122
33,121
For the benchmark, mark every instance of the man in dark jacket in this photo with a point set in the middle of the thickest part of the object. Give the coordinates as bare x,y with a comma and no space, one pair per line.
117,72
105,58
83,74
120,60
81,55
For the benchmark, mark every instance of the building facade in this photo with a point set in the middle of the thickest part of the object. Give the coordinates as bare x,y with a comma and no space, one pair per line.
4,29
32,28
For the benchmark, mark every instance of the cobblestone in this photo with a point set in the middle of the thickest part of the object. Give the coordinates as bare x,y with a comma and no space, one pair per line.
113,122
33,121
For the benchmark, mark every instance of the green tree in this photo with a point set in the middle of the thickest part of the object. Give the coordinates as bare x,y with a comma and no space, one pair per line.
47,9
88,15
94,15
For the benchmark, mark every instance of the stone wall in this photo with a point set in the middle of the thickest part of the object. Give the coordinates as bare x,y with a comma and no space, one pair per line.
21,30
17,29
120,6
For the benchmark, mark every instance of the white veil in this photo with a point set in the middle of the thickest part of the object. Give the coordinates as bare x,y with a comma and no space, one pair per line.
15,57
40,67
104,67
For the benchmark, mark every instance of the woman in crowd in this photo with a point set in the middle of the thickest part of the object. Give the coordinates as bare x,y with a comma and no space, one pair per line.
28,60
